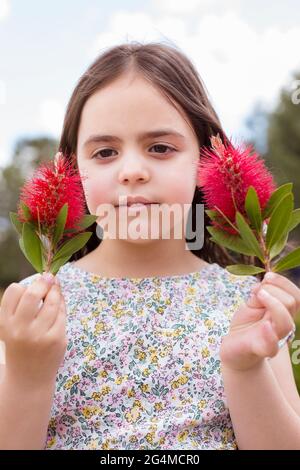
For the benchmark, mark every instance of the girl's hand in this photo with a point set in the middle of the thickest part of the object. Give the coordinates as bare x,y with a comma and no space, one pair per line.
258,325
34,334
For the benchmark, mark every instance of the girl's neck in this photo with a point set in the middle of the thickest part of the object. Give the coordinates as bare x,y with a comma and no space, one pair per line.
120,258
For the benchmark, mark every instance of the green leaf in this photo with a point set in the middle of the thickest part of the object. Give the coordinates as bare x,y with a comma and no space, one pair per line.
70,230
226,218
278,246
26,211
253,210
249,237
212,214
73,245
244,269
294,220
292,260
84,223
32,247
60,224
279,221
58,263
16,222
23,249
275,198
87,220
233,242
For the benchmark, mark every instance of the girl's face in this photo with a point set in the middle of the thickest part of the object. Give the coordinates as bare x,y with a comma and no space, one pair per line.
129,161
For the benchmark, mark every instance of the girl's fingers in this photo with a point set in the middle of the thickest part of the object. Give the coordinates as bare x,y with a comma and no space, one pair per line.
280,316
30,300
264,341
243,347
46,316
249,312
11,298
58,329
281,294
246,316
284,297
253,301
284,283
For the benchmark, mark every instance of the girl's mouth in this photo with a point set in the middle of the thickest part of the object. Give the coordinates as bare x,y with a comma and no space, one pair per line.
138,204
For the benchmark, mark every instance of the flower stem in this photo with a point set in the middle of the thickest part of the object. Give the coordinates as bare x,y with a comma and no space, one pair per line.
267,261
50,252
226,218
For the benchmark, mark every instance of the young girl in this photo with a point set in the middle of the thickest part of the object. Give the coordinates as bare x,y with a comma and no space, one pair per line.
142,343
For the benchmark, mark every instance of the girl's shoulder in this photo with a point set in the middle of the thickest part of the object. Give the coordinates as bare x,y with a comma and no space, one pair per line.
232,288
234,281
217,280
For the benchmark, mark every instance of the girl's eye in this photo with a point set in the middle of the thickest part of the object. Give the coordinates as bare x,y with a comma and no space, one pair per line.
104,152
164,146
100,153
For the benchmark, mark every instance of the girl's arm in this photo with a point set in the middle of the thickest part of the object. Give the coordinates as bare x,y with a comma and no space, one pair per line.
262,417
24,414
258,381
34,334
283,371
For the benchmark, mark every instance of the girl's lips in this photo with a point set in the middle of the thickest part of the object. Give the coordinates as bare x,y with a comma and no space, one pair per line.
137,204
131,200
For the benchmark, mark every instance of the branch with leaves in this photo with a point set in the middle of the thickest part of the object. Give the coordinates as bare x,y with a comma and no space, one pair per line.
248,214
50,219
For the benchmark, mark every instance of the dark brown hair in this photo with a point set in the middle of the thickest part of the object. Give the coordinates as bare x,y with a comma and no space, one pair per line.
175,76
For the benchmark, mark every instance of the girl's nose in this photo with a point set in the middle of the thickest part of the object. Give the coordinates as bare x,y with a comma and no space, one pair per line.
133,172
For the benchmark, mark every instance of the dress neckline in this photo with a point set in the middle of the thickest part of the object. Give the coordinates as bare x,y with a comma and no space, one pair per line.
206,269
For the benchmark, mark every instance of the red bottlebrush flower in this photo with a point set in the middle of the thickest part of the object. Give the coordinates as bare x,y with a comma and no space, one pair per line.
52,185
225,174
51,218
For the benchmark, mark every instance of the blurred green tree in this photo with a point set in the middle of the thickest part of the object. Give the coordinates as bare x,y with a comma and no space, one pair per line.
27,155
283,139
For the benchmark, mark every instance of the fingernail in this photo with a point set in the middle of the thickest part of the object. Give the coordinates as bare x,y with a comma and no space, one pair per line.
269,276
48,277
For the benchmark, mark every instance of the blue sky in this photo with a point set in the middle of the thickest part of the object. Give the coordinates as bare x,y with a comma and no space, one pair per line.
245,51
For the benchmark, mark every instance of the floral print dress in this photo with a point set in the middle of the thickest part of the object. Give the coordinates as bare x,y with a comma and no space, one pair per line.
142,367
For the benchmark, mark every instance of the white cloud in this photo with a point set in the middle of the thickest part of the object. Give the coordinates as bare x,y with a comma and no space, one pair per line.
52,115
120,30
178,6
2,92
189,7
239,64
193,9
4,9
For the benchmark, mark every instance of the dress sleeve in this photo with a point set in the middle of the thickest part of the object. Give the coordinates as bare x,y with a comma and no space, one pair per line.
237,290
28,280
244,286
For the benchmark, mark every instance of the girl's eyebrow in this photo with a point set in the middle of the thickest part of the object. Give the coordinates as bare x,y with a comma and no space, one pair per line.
110,138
